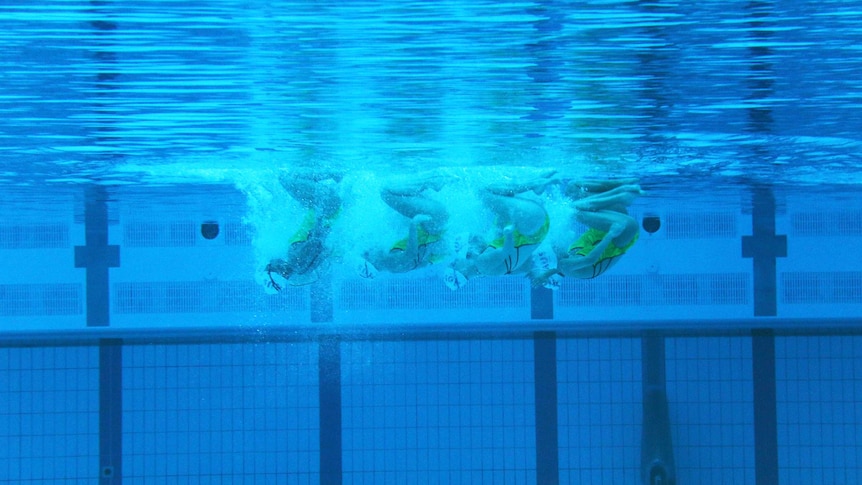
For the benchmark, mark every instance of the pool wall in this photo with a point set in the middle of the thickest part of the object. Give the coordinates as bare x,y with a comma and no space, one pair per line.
134,349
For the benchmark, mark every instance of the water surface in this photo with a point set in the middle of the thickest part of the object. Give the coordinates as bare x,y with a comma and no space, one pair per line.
706,94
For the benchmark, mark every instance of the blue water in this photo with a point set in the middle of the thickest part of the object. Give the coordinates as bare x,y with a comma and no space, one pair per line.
741,91
125,125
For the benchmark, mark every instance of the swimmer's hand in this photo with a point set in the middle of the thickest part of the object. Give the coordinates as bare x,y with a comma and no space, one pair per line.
460,245
553,282
551,279
366,270
454,279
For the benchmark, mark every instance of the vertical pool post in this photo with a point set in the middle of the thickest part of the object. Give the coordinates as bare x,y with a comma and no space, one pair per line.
545,381
97,257
329,378
764,246
541,304
547,440
110,411
320,296
765,408
657,463
329,387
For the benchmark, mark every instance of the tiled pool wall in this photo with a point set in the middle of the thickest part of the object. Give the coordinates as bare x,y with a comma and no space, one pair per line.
156,358
469,410
793,258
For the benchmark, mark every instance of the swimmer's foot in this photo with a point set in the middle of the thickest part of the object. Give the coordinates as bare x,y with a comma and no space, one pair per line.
619,197
405,186
328,175
288,176
433,181
537,184
540,183
584,205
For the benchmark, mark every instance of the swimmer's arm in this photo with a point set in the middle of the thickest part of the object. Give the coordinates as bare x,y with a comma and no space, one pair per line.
495,260
492,254
509,239
413,236
302,279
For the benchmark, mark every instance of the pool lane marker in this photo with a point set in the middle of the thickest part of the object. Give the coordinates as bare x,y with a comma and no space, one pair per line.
97,256
765,407
764,247
545,381
541,304
545,388
329,382
110,411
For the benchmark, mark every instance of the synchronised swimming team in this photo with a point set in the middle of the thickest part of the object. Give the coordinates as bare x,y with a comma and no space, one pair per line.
513,246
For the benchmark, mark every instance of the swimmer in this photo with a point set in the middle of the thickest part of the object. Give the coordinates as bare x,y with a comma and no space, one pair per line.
308,250
426,226
521,225
602,207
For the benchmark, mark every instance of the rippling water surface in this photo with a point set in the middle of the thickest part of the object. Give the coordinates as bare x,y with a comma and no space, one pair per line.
681,94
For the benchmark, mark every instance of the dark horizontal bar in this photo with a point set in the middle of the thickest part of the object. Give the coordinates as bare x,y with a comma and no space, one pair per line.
447,331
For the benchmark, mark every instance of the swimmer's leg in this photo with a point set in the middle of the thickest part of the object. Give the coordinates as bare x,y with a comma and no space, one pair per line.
416,184
327,201
616,199
525,215
301,189
586,188
409,202
621,227
537,185
313,193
